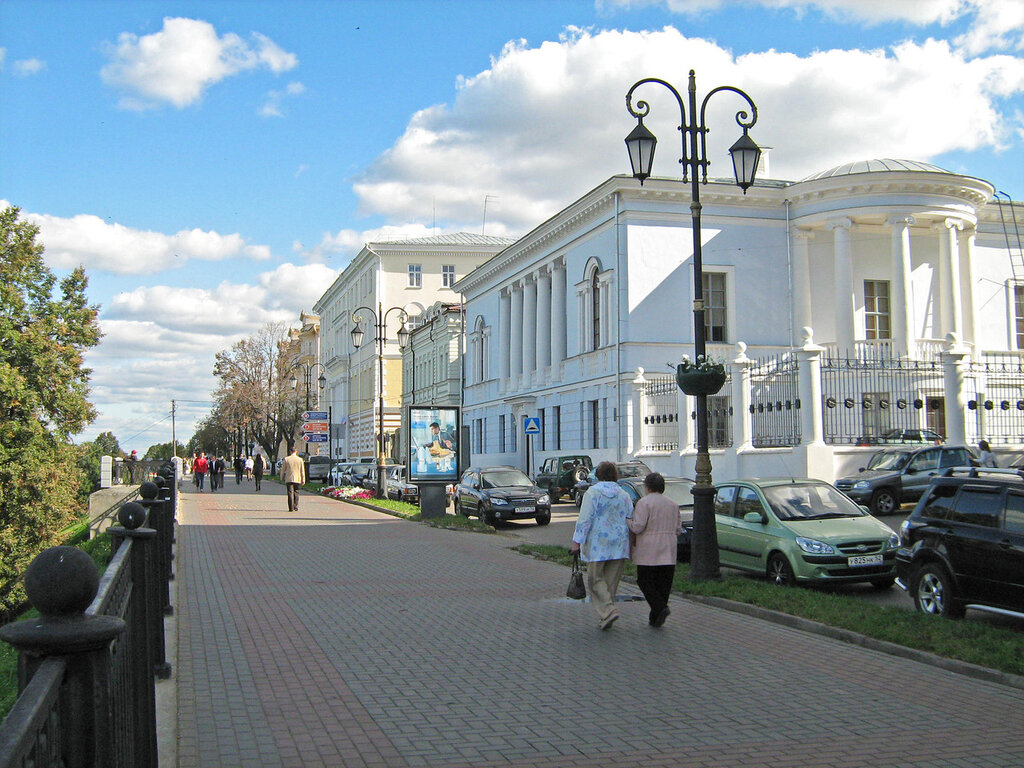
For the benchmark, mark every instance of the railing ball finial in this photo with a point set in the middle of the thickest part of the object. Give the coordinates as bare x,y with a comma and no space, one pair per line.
131,515
62,581
149,490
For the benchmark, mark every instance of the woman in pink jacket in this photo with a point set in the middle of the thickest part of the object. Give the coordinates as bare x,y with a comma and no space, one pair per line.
655,527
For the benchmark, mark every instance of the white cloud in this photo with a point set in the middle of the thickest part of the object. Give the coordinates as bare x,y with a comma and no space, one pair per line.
348,242
271,106
179,63
544,124
3,58
110,247
28,67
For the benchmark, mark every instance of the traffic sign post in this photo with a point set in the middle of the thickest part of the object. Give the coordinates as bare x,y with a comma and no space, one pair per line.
531,427
314,437
314,415
314,426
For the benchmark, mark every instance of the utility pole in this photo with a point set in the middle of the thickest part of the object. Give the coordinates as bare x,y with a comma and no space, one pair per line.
174,439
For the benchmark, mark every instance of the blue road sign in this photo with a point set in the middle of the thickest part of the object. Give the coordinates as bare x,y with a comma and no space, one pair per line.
531,425
314,437
314,415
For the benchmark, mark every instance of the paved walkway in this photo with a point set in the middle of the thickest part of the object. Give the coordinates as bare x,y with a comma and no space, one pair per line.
337,636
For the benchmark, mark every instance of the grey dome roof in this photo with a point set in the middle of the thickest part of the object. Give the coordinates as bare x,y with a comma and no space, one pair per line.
875,166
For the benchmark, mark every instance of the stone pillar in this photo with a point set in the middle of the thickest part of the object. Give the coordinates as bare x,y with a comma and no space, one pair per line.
801,277
530,327
902,304
544,319
516,331
844,307
558,316
970,320
504,335
639,412
742,424
812,422
106,471
949,277
954,362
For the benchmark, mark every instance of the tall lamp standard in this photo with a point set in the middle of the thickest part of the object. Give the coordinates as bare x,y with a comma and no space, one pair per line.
380,321
745,155
307,371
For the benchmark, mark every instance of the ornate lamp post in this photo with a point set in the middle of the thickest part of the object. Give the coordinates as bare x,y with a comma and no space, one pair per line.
745,155
307,371
380,320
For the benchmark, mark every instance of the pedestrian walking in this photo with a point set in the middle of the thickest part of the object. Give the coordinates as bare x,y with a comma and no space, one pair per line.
239,465
248,467
602,539
257,470
199,468
987,458
293,473
654,528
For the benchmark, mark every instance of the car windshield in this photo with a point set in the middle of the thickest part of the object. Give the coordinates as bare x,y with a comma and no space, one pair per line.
809,501
889,460
679,492
633,470
504,478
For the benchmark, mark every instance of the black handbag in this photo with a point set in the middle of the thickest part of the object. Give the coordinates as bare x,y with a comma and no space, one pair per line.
576,590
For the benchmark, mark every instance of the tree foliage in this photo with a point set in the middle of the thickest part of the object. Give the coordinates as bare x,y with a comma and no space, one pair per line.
45,327
163,451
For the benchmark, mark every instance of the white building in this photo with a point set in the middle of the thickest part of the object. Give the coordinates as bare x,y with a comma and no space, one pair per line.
883,258
402,275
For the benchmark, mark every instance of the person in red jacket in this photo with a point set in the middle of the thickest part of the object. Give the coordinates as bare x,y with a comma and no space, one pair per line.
200,468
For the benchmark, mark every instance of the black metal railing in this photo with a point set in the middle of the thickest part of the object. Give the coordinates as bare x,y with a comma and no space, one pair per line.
995,405
87,667
775,401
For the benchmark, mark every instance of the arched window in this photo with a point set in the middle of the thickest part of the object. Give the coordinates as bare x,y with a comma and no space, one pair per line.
595,298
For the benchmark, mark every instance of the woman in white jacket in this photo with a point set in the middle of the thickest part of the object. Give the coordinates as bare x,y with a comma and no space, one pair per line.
655,526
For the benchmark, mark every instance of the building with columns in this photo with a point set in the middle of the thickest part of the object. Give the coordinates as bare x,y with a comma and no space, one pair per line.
879,260
387,278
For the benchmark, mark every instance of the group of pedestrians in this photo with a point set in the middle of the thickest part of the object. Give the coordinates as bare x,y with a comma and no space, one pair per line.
610,531
215,466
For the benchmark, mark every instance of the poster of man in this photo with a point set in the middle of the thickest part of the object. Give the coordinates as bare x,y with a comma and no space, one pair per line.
433,443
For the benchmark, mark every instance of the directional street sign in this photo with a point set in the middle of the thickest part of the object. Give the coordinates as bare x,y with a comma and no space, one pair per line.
314,426
314,415
532,425
316,437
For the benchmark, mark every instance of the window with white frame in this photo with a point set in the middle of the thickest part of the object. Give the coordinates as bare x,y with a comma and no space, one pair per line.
415,275
556,427
447,275
595,316
1018,314
501,433
877,320
716,310
592,296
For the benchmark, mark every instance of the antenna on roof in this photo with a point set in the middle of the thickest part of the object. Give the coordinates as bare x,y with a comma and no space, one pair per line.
483,227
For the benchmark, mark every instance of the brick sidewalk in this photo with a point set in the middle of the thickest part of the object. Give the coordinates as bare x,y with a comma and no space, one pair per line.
337,636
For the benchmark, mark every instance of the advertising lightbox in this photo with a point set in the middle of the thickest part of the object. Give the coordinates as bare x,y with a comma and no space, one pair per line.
433,443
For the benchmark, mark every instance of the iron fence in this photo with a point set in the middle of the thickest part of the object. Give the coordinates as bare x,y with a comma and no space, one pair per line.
995,408
775,401
661,415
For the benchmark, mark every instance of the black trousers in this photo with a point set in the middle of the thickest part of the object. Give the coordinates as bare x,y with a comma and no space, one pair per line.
293,496
655,581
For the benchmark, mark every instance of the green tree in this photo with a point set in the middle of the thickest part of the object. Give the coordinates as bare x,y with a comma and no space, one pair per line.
163,451
45,327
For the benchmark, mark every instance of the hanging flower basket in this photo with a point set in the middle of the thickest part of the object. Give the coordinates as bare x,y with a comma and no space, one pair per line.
699,382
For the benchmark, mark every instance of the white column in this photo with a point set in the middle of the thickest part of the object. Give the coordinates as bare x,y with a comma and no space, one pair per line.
606,313
949,277
543,322
967,238
742,422
558,316
504,334
801,277
954,360
812,420
639,412
530,326
583,303
516,331
901,307
845,307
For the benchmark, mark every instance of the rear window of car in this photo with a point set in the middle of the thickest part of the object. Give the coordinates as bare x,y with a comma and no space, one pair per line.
939,503
978,506
1014,513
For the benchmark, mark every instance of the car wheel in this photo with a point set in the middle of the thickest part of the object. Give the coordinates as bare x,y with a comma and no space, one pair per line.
580,474
933,593
780,571
883,502
487,517
883,582
544,519
555,497
458,508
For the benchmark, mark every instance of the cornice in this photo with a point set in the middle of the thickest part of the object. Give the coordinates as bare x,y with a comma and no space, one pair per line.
965,189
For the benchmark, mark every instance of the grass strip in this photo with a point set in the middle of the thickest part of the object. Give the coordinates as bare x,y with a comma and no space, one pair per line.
997,648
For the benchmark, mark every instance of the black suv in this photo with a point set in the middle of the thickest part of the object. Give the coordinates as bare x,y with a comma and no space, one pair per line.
963,546
498,494
897,475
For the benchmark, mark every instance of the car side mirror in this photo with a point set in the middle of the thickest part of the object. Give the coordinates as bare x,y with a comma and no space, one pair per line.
861,469
755,517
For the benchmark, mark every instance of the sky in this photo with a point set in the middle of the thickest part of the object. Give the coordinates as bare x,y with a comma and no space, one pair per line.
214,165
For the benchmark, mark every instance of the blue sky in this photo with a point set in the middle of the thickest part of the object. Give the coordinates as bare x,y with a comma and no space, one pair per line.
213,164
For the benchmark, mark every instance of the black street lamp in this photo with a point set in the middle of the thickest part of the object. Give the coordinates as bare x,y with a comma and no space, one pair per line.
380,319
745,153
307,371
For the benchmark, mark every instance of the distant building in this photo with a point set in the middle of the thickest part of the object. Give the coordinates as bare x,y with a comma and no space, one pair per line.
300,351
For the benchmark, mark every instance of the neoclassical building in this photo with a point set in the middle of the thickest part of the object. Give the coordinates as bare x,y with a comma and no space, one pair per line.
581,322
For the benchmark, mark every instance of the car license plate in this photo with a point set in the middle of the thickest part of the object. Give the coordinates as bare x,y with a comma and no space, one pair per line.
864,560
525,510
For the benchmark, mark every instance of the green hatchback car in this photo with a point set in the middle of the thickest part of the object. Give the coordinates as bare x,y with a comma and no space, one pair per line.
801,530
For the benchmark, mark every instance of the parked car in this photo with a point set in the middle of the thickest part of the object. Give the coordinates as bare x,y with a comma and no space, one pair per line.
398,486
801,530
498,494
337,474
963,545
902,437
559,474
354,474
898,475
368,478
679,490
317,467
626,469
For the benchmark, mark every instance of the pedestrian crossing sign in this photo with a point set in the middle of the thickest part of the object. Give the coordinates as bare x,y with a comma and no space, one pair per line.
532,425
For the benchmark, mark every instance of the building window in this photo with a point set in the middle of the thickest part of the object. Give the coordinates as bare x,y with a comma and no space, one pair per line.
877,323
715,310
595,424
448,275
415,275
514,436
501,434
556,427
595,299
543,430
1018,313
